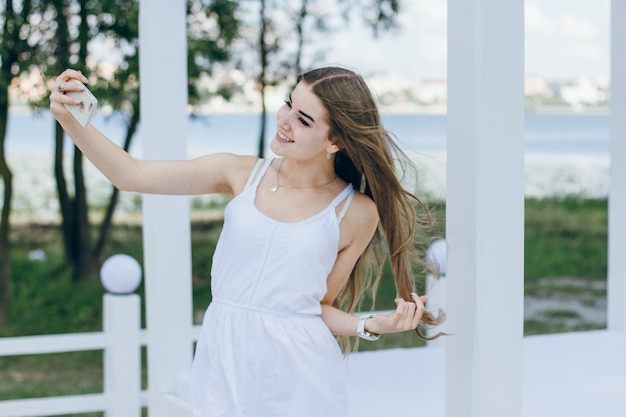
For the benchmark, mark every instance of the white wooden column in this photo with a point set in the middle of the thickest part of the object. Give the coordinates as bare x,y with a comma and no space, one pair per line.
485,208
166,220
616,290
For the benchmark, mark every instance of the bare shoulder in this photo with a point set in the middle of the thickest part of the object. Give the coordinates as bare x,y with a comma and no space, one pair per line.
360,222
226,172
242,169
364,208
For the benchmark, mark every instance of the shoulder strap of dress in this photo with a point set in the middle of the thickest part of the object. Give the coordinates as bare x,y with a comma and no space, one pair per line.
254,171
347,194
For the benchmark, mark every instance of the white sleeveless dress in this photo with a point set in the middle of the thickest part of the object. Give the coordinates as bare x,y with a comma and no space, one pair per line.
264,350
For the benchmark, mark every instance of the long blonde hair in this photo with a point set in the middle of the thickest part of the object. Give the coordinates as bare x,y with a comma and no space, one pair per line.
371,160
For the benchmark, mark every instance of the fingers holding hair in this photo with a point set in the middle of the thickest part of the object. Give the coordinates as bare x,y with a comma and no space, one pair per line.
407,315
419,308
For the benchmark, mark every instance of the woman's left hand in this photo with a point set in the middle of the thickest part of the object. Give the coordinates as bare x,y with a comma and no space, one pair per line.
406,317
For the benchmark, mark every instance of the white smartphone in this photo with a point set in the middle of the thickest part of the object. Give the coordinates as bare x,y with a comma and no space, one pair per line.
83,112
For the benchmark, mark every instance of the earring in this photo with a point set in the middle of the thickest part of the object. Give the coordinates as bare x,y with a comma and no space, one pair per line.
328,155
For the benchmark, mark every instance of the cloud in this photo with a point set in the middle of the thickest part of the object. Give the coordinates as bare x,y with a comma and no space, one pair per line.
567,39
540,24
564,39
416,50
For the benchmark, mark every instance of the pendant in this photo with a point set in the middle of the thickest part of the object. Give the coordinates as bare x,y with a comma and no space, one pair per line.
274,188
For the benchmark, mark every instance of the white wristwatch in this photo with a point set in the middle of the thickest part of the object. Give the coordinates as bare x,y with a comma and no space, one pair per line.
360,329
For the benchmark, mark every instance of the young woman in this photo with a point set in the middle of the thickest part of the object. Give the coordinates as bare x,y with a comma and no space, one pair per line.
300,235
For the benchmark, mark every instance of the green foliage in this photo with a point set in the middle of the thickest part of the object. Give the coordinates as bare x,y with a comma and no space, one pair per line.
35,376
563,238
203,244
46,300
212,28
566,237
37,305
534,327
380,14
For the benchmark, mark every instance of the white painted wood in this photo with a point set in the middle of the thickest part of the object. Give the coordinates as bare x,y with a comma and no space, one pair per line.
166,222
485,208
122,355
35,407
35,345
175,406
616,291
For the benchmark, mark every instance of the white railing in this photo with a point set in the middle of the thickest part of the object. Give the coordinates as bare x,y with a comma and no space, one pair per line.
121,341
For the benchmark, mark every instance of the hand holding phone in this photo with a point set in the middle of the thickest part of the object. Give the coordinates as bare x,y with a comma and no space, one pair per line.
84,111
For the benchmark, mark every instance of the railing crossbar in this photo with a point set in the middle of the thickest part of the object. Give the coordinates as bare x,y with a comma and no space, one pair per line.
59,343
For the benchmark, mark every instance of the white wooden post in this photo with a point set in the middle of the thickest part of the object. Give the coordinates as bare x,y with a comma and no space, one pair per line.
166,220
122,355
121,276
485,208
616,290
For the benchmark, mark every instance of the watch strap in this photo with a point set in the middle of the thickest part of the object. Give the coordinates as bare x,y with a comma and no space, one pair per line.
360,329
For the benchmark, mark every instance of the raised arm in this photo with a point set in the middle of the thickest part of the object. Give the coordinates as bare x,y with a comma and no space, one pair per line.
217,173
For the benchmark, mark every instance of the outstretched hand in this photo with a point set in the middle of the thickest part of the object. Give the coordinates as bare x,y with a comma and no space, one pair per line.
61,85
407,316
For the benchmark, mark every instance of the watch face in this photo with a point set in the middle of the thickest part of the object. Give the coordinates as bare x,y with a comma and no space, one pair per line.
369,336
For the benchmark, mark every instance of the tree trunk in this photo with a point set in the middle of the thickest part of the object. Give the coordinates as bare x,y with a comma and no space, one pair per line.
263,51
7,57
300,17
65,204
105,226
74,208
86,266
7,178
85,263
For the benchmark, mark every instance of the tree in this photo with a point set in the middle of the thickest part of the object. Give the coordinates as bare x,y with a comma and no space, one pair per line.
69,48
265,48
119,23
377,14
80,23
67,30
280,54
17,50
270,69
212,28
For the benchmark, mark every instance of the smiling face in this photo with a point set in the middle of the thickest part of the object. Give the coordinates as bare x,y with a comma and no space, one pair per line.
303,130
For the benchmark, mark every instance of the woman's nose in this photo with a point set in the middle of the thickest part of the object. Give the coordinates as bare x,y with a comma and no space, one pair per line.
283,121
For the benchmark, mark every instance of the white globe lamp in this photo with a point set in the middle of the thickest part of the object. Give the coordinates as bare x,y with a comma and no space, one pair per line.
120,274
436,256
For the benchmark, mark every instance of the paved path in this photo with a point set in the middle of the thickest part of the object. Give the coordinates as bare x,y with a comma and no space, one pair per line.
580,374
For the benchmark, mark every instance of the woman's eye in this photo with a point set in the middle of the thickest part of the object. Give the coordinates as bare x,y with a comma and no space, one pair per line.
300,119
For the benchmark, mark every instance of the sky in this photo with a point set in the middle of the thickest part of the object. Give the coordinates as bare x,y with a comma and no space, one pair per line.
565,39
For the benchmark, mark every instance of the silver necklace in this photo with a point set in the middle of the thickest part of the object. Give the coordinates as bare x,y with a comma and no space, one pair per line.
278,184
